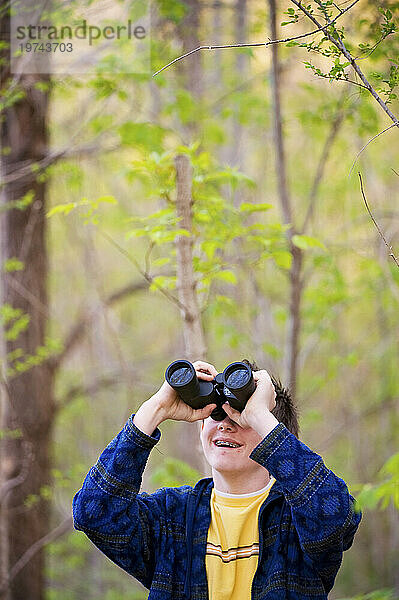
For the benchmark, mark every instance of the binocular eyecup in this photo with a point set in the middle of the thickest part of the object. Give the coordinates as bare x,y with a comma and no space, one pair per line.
235,385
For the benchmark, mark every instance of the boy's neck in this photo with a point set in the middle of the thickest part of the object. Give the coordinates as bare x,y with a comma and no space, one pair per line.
240,483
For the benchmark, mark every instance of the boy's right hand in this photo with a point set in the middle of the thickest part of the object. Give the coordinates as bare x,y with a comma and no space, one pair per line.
166,404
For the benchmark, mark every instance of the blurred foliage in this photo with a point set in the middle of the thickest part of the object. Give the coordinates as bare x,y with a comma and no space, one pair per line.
113,218
174,473
383,594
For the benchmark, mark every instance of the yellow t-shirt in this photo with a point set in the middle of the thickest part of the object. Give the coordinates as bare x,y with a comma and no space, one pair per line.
233,543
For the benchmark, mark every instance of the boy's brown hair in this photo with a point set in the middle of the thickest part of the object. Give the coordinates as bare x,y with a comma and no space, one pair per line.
285,410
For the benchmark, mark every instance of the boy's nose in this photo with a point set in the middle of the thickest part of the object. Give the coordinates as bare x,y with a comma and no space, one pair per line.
226,425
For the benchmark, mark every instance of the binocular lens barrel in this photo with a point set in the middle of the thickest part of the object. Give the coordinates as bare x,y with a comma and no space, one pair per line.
239,380
182,377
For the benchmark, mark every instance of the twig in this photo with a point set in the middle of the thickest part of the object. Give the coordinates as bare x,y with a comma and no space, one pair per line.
356,418
391,254
341,46
60,530
334,128
87,390
257,44
10,484
149,278
24,169
369,142
77,331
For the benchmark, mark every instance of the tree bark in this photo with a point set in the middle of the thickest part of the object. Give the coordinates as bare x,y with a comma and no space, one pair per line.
194,340
27,399
188,32
295,292
29,405
191,70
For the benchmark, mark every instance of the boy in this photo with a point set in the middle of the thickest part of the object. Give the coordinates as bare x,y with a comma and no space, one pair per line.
272,522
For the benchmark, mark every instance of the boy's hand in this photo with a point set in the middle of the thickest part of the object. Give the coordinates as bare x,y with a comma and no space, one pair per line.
166,404
257,411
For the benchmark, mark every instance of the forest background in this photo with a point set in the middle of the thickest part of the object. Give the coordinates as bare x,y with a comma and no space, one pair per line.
214,210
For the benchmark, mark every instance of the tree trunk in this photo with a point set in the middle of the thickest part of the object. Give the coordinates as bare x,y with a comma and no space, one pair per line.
188,32
242,63
191,69
295,292
194,340
29,403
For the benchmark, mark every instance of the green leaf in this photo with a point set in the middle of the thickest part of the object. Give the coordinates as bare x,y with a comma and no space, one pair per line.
248,207
210,247
174,472
163,281
13,264
146,136
10,434
282,258
227,276
63,209
160,262
391,467
306,241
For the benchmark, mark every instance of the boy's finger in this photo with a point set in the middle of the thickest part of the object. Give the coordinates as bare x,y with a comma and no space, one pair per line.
204,413
202,375
231,412
200,364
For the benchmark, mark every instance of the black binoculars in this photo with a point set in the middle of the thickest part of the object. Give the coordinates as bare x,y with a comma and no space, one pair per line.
235,385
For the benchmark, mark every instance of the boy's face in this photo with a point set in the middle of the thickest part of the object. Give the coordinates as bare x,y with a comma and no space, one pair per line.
227,446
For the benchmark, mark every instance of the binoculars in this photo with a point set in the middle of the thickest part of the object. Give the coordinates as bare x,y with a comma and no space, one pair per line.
235,385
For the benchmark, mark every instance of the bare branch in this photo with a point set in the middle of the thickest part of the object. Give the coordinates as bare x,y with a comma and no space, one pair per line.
335,125
24,168
355,418
87,390
391,254
78,330
10,484
258,44
369,142
60,530
149,278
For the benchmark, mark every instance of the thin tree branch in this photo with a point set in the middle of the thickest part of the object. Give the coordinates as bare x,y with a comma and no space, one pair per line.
95,386
78,330
391,254
343,79
149,278
369,142
341,46
24,168
258,44
12,483
335,125
59,531
355,418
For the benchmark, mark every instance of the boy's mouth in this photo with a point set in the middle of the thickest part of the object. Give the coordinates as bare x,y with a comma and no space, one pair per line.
222,443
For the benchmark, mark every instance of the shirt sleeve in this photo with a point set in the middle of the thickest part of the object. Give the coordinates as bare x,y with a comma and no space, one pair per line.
322,508
108,508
